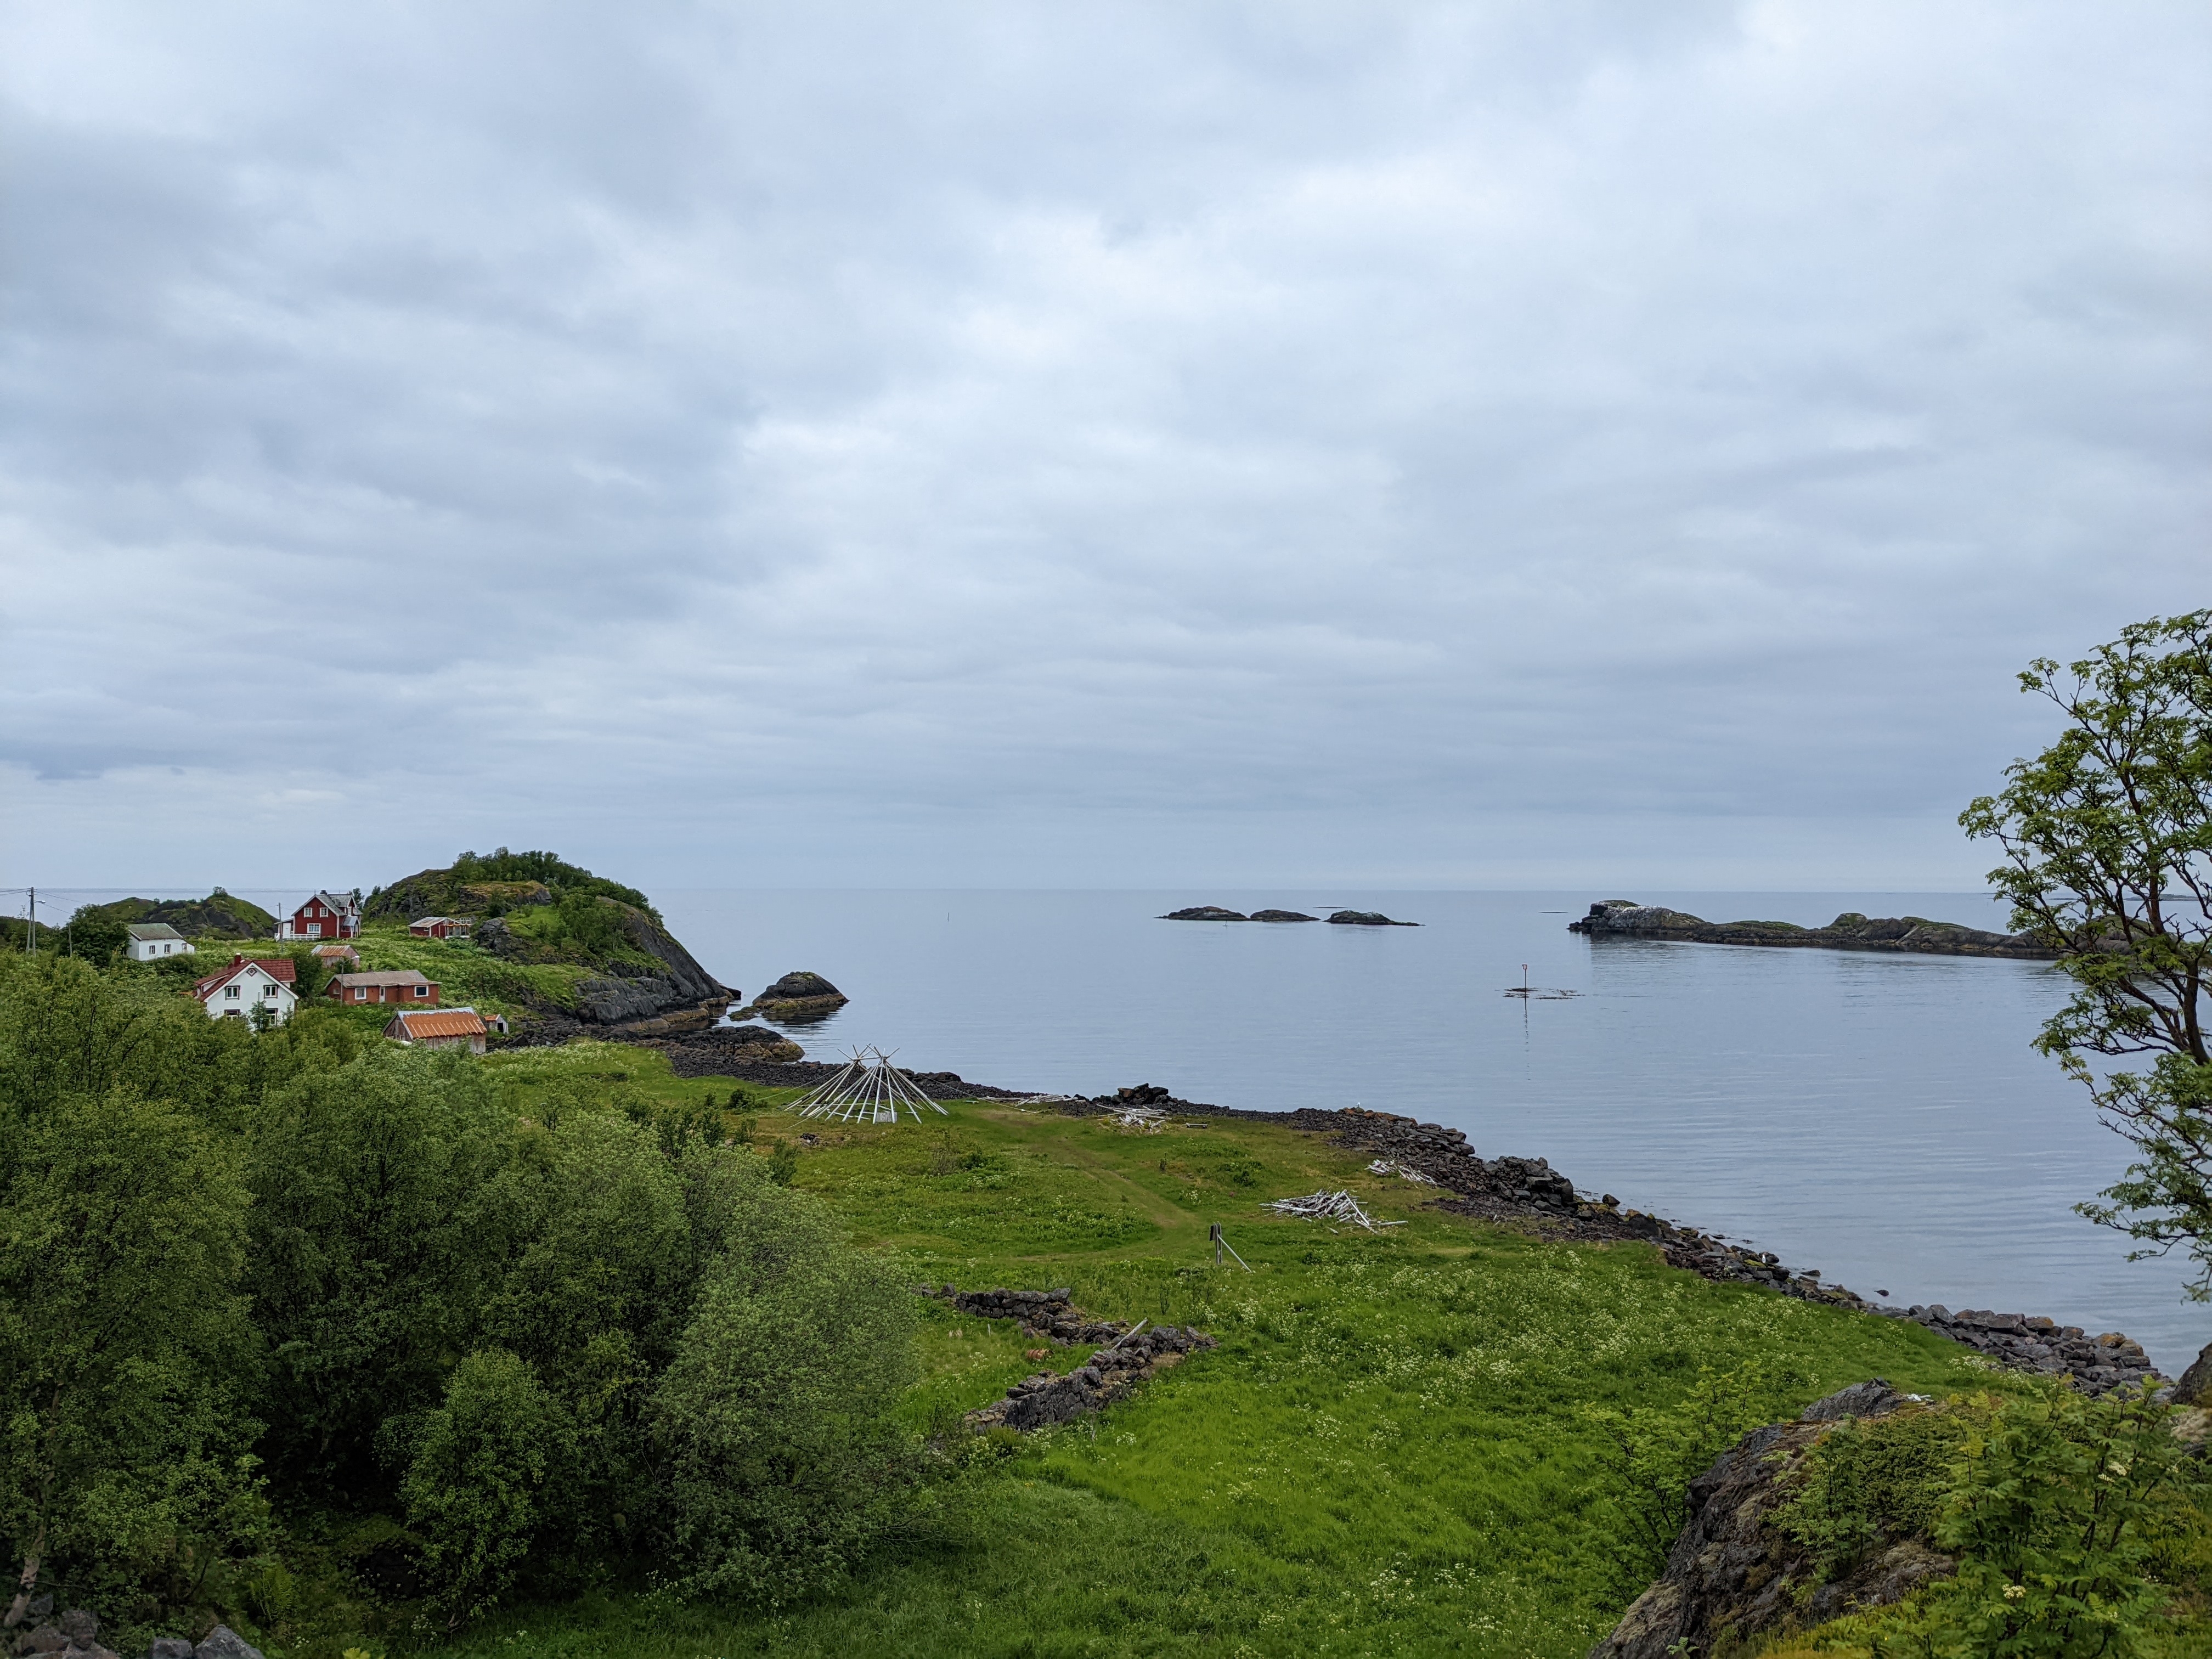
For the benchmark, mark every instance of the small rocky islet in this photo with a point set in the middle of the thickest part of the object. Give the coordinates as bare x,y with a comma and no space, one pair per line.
1341,918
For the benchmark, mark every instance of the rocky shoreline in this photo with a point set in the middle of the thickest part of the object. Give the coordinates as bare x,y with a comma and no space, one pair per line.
1911,935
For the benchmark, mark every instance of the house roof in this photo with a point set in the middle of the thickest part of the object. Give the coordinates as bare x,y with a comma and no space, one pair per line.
345,907
438,1022
279,968
388,976
337,953
143,931
426,922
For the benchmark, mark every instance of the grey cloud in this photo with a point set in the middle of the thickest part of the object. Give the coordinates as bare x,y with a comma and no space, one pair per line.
674,422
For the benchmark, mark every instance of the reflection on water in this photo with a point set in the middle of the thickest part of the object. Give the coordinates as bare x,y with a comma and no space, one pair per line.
1879,1117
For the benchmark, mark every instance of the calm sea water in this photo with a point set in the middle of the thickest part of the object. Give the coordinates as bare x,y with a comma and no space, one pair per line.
1881,1118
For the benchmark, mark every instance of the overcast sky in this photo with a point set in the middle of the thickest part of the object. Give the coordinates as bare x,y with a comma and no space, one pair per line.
1497,445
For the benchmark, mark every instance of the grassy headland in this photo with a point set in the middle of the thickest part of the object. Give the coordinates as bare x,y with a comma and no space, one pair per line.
1396,1449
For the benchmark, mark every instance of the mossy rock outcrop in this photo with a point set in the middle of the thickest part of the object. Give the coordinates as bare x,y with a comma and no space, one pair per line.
219,916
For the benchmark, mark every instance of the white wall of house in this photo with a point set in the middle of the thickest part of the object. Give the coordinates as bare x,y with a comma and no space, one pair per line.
250,988
147,949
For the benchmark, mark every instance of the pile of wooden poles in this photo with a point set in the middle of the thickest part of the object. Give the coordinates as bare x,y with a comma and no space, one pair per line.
1326,1206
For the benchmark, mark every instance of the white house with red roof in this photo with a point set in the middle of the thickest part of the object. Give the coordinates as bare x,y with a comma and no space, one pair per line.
251,984
326,916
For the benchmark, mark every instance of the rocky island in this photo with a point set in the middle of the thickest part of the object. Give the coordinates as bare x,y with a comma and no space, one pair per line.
798,999
1627,919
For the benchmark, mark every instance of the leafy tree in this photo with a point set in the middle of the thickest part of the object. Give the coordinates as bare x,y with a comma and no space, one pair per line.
2107,839
373,1248
593,1295
93,934
122,1445
783,1460
67,1029
474,1484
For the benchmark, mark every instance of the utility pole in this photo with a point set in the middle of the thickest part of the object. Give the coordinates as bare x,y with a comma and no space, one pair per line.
34,934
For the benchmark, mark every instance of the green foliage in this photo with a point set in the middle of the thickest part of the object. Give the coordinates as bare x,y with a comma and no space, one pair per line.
587,923
123,1457
2107,837
2048,1513
311,974
2058,1508
782,1163
1651,1452
91,934
776,1414
563,878
1869,1482
474,1483
373,1227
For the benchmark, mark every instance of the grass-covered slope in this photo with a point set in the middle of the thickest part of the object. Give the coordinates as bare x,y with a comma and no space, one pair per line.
1396,1448
551,940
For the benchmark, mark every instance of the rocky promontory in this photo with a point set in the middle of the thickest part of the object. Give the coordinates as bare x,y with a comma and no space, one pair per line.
1915,935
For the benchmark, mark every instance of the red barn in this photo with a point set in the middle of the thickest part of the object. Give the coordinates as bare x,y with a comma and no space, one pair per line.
323,916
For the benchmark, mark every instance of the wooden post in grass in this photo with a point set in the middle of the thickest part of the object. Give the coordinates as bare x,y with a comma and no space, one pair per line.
1221,1243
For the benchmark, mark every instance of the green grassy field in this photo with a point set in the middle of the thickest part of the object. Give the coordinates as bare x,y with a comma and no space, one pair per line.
1390,1452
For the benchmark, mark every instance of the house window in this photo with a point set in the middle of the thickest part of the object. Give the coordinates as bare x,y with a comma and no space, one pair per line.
360,994
231,991
422,990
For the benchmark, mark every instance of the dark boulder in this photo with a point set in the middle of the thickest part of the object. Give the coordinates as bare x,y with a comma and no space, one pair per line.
798,999
1206,912
2195,1388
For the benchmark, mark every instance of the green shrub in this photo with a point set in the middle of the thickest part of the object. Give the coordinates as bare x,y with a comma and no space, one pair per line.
1651,1454
472,1488
375,1240
1870,1481
784,1461
2050,1507
2058,1507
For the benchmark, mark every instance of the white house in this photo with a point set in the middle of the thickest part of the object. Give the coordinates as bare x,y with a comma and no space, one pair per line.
248,984
147,941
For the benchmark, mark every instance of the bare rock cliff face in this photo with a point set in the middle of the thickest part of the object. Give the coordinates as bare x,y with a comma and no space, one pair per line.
627,991
1731,1577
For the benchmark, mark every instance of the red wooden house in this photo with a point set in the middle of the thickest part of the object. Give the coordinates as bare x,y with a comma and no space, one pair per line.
403,985
323,916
